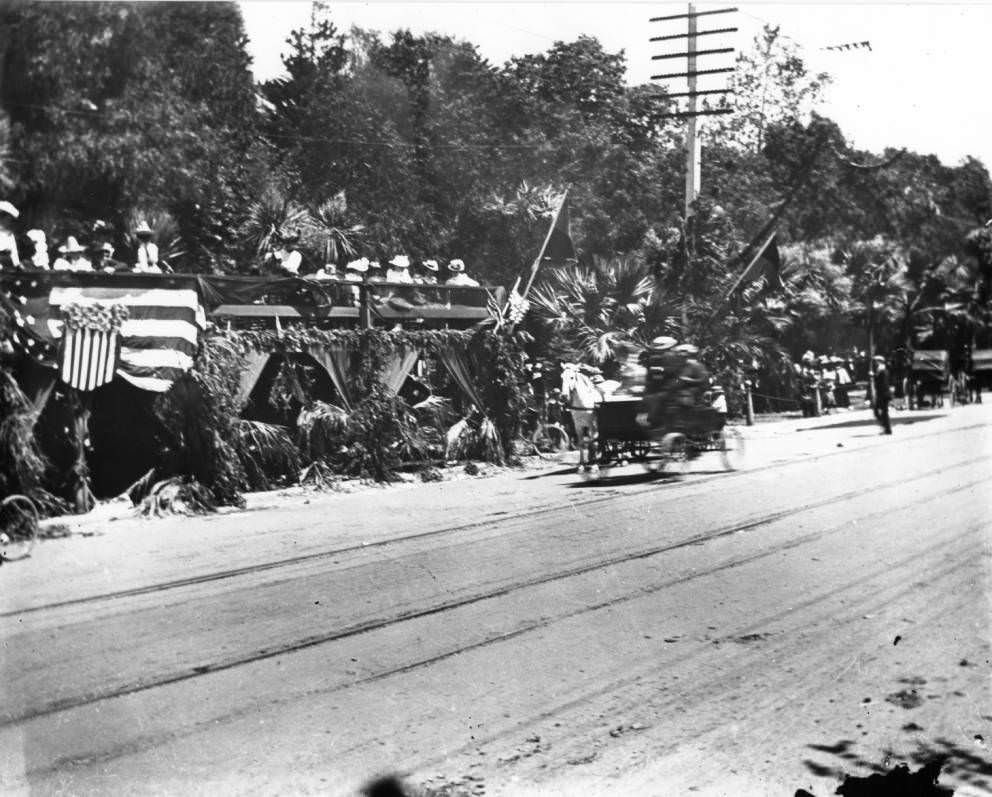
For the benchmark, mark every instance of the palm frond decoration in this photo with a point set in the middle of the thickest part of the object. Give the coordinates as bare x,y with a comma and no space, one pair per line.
267,452
327,233
22,464
177,496
321,428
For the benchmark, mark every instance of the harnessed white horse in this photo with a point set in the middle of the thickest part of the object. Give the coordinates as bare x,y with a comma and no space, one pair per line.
582,396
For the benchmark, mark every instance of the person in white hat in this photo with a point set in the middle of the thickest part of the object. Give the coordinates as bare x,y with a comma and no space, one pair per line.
399,270
427,273
288,258
374,272
356,269
147,255
40,257
458,276
328,272
73,257
8,241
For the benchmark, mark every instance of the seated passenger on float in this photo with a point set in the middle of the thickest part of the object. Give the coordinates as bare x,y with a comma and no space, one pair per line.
73,257
287,258
102,257
399,270
426,273
375,272
328,272
456,268
8,240
39,259
146,256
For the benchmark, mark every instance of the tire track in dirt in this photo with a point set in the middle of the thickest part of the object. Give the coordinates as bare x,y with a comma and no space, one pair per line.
223,575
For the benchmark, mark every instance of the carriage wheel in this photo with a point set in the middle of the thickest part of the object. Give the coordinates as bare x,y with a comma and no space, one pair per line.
675,450
18,527
732,448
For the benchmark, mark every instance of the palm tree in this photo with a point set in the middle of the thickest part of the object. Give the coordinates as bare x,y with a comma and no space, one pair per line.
590,309
273,213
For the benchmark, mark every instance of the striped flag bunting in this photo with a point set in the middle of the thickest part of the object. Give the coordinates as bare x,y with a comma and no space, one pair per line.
90,344
156,340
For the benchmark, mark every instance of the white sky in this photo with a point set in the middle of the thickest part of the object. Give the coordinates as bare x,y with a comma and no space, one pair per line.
924,85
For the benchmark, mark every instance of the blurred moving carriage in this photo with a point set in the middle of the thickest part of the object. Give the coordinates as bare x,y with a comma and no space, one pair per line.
930,379
620,436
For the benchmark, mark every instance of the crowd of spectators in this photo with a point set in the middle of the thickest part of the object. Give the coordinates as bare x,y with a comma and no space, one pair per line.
97,255
823,382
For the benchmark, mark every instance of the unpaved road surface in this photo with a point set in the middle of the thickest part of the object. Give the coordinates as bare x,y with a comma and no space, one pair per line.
824,612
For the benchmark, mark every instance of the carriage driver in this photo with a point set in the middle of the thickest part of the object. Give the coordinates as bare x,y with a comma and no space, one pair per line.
693,377
664,364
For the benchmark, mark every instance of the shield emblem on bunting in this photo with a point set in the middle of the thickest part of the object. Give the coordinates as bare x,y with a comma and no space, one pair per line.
90,344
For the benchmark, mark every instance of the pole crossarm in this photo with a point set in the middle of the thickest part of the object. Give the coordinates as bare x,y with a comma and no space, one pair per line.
675,94
687,114
694,14
716,51
693,74
674,36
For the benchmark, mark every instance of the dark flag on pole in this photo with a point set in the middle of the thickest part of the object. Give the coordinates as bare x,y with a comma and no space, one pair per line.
558,246
766,263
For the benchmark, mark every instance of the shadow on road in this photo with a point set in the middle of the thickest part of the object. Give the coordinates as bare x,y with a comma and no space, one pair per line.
896,421
624,480
962,765
545,474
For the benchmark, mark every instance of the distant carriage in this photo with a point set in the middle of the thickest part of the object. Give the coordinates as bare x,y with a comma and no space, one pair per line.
981,373
930,379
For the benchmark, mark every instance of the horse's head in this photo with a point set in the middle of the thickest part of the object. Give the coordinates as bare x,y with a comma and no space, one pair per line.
579,388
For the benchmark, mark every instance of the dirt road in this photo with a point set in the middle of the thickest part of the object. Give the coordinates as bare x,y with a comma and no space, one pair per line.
825,611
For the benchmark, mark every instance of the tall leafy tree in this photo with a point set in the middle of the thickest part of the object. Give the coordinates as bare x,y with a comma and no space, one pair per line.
115,106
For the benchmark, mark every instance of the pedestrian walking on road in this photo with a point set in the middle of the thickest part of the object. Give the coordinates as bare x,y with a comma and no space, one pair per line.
882,394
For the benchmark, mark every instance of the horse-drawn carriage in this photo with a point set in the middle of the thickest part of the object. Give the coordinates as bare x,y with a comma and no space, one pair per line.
930,379
622,434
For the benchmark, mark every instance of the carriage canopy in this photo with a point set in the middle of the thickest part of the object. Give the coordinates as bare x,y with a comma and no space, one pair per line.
931,363
981,360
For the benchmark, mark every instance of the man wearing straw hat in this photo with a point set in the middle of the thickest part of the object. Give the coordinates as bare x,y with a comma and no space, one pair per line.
73,257
147,255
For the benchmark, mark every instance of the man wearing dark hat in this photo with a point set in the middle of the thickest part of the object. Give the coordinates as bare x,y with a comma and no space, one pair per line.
880,382
102,256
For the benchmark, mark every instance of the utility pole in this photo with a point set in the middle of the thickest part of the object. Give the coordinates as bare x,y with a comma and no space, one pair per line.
692,143
693,112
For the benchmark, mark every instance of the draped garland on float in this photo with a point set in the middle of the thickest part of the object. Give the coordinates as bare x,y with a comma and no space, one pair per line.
369,431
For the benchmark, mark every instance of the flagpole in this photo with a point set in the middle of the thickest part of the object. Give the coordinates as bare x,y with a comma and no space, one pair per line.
544,246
